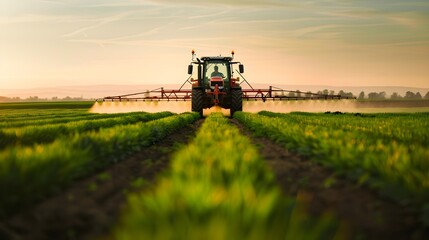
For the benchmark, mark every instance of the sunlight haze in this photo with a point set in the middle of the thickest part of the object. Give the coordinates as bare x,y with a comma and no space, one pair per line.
47,43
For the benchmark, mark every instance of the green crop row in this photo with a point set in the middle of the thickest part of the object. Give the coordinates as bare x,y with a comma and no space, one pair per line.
46,105
398,169
48,133
60,118
31,111
218,188
27,174
33,114
408,128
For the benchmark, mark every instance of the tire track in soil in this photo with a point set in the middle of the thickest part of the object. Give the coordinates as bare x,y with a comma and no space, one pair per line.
363,213
90,207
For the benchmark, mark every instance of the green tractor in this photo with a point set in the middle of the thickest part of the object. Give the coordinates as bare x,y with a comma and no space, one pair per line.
214,84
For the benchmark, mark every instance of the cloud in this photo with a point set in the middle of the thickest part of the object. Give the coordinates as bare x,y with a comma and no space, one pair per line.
47,18
134,39
125,3
210,15
307,30
101,22
225,2
149,32
399,17
187,43
52,2
407,19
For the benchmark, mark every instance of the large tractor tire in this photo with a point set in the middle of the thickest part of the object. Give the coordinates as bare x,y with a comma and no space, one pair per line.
236,101
198,101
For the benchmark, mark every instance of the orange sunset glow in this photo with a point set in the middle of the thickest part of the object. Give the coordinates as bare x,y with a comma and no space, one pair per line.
46,43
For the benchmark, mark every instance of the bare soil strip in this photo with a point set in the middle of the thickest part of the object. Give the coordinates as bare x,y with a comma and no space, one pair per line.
91,206
363,213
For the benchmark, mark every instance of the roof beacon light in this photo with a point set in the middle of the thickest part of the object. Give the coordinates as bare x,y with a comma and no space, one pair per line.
232,53
193,54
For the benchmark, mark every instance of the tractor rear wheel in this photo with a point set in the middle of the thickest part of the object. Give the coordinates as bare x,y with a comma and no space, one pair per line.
197,101
236,101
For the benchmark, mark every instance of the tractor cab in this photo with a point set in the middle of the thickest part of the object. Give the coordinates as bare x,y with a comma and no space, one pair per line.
212,71
216,72
214,84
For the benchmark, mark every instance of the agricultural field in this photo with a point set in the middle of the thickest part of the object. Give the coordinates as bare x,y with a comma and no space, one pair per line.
66,173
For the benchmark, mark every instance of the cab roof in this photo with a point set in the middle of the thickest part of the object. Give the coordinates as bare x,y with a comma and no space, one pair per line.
216,58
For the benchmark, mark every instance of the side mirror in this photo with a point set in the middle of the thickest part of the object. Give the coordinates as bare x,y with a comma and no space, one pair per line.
241,68
190,69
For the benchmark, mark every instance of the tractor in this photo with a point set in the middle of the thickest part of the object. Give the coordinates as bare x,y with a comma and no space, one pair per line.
215,84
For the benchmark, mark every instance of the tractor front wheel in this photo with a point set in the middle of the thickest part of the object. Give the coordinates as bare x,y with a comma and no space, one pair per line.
236,101
197,101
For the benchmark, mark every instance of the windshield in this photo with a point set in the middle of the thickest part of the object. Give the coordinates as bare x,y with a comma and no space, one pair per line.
216,70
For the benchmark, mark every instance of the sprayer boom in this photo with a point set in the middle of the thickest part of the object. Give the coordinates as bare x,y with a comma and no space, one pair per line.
153,95
272,93
214,84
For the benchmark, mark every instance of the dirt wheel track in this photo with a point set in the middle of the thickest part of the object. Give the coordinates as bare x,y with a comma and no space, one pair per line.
90,207
364,213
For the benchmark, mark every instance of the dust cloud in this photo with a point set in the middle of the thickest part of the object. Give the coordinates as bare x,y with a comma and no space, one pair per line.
147,106
151,107
208,111
300,105
345,105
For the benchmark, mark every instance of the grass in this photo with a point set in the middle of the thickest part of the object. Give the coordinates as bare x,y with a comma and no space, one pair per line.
39,133
219,188
55,118
388,152
47,105
30,173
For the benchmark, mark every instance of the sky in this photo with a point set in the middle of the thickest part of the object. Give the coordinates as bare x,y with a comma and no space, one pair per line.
48,43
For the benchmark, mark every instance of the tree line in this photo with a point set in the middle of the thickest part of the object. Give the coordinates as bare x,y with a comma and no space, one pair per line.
362,95
299,93
37,99
395,95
